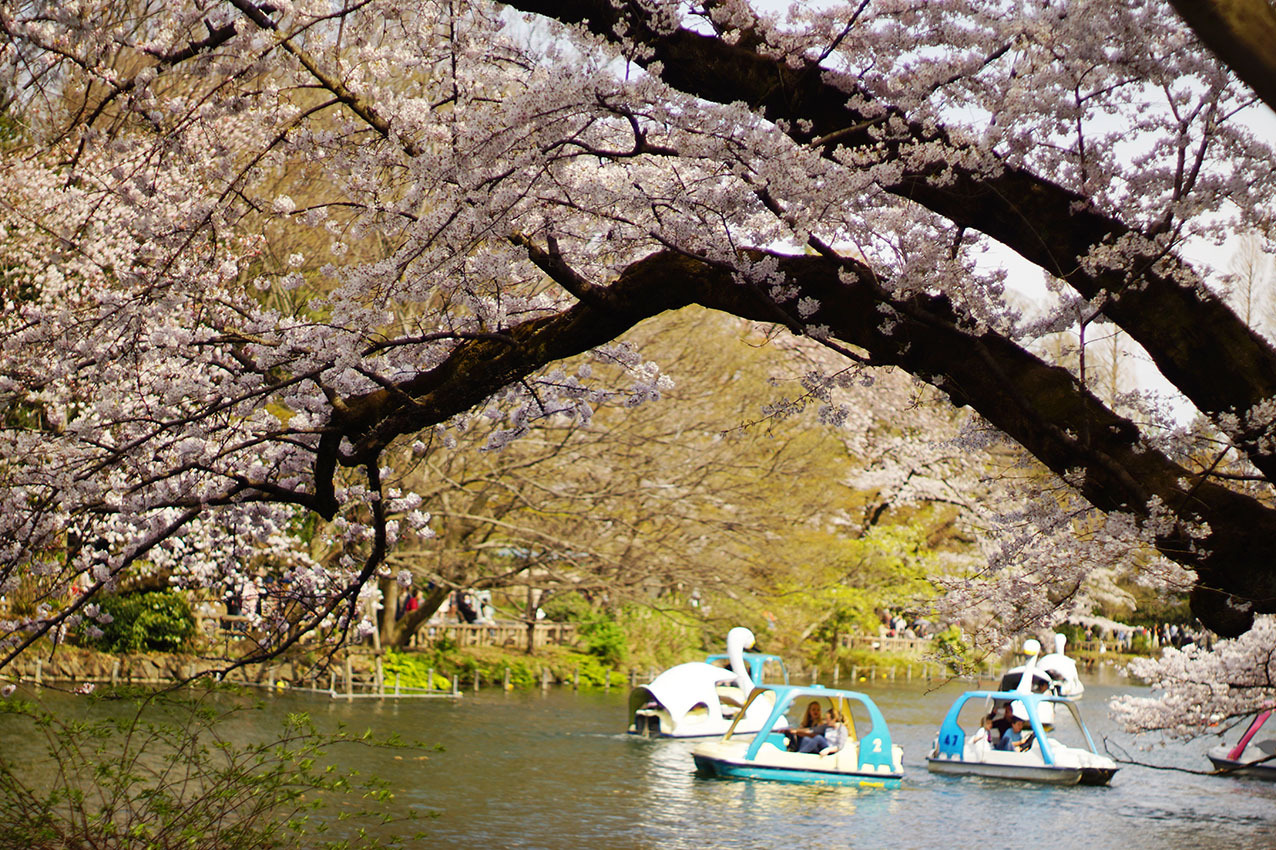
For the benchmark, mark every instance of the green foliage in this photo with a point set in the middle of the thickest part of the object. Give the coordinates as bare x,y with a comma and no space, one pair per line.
414,669
604,639
601,635
161,773
660,638
953,650
566,608
159,621
840,583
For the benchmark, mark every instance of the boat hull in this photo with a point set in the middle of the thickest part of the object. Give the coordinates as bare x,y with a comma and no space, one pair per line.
1024,773
1267,770
731,769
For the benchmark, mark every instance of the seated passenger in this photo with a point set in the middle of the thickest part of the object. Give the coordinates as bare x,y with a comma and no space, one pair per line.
837,734
986,733
1002,723
1012,739
800,739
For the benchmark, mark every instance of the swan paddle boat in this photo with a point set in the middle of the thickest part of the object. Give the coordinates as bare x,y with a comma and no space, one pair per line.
701,699
1053,672
868,759
1256,760
1041,758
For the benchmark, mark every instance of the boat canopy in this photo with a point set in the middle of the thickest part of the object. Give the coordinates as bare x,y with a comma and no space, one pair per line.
952,738
875,753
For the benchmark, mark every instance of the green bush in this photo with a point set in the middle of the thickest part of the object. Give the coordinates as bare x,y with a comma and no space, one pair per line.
158,620
166,773
600,634
953,650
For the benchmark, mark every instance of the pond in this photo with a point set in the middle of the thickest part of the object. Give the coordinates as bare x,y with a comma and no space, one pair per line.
554,769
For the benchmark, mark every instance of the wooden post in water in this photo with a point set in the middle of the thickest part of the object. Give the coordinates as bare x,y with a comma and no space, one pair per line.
506,684
349,676
456,685
545,678
815,674
396,684
477,676
872,673
607,682
576,678
115,672
837,668
633,678
380,677
855,673
39,671
332,681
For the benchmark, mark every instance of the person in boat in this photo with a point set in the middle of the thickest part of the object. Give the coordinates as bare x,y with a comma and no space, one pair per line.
986,732
836,736
813,725
1013,738
1002,723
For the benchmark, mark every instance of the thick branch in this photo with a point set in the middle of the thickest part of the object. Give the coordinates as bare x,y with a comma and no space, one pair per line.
1241,33
1041,406
1153,296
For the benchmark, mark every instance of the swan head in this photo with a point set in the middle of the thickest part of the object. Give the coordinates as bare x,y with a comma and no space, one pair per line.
738,640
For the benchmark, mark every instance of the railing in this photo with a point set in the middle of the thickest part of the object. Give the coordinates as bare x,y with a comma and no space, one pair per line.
221,630
886,644
498,634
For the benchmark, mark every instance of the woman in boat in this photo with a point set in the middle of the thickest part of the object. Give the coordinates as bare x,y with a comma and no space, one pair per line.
802,738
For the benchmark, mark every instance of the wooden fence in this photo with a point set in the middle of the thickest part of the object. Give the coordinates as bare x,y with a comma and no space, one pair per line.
886,644
500,634
221,631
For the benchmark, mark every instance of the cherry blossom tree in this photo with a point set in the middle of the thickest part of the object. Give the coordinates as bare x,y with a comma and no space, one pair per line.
539,177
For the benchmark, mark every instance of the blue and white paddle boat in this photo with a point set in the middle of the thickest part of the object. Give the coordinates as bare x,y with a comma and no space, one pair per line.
1039,758
867,759
1255,759
701,699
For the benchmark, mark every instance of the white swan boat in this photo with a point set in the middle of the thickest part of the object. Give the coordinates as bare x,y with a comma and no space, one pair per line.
1042,759
1053,672
702,699
867,760
1255,759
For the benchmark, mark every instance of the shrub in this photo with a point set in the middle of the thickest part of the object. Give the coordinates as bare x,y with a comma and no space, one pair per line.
603,638
165,776
158,620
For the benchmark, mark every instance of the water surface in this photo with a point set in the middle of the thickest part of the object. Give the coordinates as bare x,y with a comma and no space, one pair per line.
555,770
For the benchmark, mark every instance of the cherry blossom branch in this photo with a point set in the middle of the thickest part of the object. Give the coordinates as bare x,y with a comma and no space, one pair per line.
1156,298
